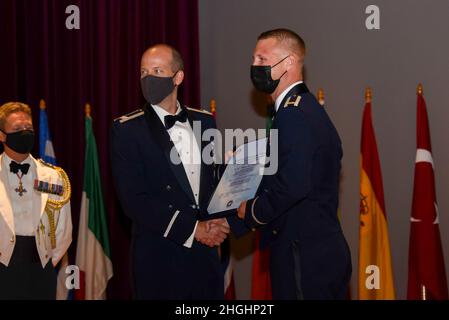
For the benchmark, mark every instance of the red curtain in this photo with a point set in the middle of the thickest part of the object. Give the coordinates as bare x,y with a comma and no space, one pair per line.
100,64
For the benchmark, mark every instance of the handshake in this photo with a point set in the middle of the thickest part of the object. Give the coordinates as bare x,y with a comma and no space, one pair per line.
213,232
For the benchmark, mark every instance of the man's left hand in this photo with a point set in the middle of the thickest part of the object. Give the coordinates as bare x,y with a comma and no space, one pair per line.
242,210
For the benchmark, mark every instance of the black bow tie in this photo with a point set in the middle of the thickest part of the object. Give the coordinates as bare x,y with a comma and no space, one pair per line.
171,120
15,167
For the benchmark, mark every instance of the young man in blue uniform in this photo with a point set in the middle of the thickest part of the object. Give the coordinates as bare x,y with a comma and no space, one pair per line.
296,208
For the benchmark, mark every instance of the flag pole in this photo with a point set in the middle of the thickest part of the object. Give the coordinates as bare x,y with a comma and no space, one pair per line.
42,105
419,91
423,293
87,110
368,95
213,107
213,110
320,96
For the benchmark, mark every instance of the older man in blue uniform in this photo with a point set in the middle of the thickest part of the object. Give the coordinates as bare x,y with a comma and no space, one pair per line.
296,208
162,184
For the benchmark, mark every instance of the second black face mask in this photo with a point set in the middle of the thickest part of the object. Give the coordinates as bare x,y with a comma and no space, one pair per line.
21,141
262,80
156,89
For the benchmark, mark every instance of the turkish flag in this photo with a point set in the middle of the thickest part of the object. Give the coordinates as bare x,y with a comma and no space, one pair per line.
426,274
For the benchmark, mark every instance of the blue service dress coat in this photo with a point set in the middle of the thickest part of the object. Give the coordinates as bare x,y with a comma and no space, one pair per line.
156,195
296,208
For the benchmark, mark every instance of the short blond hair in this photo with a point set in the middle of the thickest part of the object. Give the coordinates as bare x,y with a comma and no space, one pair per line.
12,107
288,38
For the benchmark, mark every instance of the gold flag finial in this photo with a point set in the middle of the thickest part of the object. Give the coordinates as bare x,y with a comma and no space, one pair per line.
213,106
42,105
368,95
320,96
88,109
419,90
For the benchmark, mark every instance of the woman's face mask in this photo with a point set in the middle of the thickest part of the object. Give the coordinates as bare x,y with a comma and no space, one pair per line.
21,141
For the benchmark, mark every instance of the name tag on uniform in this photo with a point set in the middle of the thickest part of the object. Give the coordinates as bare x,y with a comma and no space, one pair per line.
48,187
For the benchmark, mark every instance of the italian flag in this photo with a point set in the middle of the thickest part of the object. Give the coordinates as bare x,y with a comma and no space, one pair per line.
93,255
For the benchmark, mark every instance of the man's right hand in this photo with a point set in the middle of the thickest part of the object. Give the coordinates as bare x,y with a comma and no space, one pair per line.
213,232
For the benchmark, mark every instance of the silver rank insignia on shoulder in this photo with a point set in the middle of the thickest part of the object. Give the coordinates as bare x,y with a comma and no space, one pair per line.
200,110
292,101
130,116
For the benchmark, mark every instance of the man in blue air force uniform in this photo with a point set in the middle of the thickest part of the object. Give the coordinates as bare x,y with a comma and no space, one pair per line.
296,208
162,184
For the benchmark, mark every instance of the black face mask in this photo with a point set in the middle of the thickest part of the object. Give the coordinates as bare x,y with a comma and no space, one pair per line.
156,89
21,141
262,80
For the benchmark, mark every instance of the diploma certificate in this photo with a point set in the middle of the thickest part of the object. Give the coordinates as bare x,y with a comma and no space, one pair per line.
240,179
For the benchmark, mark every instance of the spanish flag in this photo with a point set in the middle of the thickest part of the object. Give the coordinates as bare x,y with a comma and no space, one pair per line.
375,271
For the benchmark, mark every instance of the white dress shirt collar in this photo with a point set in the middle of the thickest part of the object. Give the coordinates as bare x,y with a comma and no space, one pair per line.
7,161
21,205
161,112
283,94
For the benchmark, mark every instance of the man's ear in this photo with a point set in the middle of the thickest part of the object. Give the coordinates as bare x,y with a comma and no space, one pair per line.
290,61
179,78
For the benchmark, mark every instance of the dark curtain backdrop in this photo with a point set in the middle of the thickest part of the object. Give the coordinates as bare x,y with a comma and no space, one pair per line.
99,64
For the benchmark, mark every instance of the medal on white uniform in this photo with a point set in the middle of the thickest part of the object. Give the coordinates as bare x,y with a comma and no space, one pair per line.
20,190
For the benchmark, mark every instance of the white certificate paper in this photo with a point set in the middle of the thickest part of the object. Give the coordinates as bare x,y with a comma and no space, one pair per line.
241,177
